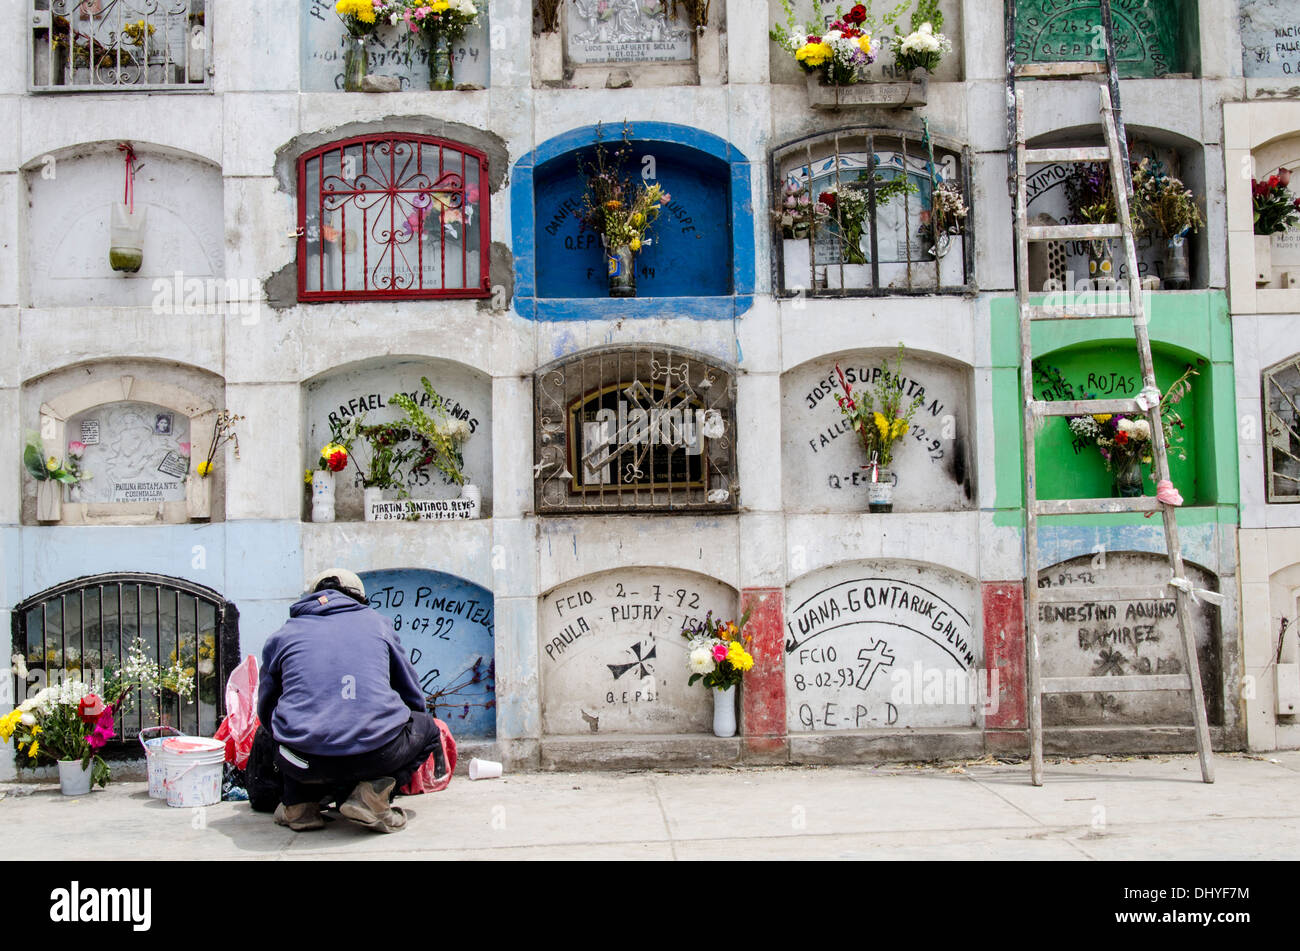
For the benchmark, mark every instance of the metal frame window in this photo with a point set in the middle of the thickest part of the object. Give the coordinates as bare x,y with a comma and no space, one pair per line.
901,257
90,623
635,429
1282,433
387,217
119,45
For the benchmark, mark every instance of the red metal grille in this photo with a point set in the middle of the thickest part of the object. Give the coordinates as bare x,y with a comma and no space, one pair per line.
387,217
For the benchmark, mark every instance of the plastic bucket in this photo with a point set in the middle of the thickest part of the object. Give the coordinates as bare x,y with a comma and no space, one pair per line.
192,765
151,738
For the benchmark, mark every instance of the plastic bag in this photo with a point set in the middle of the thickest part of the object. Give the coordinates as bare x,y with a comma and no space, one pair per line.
126,239
240,724
426,778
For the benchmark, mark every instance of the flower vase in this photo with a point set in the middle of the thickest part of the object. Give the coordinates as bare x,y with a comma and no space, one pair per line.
1263,259
1127,473
371,496
880,492
724,711
73,779
322,496
1178,273
355,61
49,499
440,65
1101,263
474,495
621,265
198,496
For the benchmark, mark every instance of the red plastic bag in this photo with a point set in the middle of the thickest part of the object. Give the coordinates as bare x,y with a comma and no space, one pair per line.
425,779
240,724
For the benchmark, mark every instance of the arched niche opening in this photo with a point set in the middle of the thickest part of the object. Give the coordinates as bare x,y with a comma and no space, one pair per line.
823,469
71,194
446,625
611,653
883,644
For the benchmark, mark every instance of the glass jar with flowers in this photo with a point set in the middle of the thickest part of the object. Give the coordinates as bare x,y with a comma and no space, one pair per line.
717,655
1276,210
618,211
879,418
1091,196
441,23
1162,203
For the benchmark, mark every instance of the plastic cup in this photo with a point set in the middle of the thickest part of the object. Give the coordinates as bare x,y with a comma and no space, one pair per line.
484,769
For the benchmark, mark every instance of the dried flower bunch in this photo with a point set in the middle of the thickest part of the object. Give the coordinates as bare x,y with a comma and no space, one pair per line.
1162,202
612,207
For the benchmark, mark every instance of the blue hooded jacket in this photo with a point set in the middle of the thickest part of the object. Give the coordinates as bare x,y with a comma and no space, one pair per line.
335,680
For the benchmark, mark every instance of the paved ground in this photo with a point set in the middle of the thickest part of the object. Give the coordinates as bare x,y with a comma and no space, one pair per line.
1118,808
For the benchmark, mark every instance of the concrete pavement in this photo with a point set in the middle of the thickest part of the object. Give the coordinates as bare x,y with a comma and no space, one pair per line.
1093,808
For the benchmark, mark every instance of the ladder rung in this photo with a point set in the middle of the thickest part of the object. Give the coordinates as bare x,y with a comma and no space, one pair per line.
1082,407
1041,312
1072,232
1046,156
1141,503
1078,594
1059,70
1116,684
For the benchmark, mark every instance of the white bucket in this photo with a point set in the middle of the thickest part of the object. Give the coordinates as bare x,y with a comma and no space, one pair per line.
151,738
192,765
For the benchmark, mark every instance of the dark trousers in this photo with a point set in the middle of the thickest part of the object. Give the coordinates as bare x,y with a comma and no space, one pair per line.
333,778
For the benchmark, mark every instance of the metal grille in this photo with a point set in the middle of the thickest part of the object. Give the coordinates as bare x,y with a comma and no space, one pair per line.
1282,434
904,255
119,45
383,217
83,628
635,429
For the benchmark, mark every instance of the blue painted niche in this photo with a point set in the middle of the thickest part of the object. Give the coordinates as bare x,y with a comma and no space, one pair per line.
446,625
701,260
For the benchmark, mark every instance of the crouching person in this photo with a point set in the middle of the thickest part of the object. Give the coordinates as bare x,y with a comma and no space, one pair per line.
345,708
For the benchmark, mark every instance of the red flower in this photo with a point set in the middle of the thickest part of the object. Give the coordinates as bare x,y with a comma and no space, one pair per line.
814,39
1284,176
337,461
827,198
857,15
1121,438
1273,182
90,707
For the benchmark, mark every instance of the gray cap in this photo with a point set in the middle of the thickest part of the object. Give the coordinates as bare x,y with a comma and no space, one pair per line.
346,578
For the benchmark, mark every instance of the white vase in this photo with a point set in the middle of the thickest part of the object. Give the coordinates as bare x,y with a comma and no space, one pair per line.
73,780
198,496
370,498
1263,259
724,711
322,496
49,499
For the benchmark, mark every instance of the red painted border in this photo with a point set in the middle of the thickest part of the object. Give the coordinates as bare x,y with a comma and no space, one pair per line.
1004,652
763,704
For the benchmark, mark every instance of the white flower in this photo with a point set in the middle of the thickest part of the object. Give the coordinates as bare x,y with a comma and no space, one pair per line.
28,719
927,27
19,666
1141,429
702,661
831,36
206,667
1125,426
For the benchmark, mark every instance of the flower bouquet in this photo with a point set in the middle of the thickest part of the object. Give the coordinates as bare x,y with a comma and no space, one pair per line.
717,656
1275,211
50,473
921,49
441,23
836,53
620,212
360,19
1091,197
1163,203
879,419
845,206
943,219
794,211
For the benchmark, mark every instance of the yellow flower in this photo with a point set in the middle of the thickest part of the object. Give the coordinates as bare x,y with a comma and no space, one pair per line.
638,219
864,43
813,54
204,469
51,463
635,244
882,424
307,476
441,6
900,428
34,749
1102,417
9,723
363,10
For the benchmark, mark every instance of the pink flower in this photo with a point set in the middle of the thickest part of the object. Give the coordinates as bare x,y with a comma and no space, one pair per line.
185,449
1284,176
103,731
76,448
719,652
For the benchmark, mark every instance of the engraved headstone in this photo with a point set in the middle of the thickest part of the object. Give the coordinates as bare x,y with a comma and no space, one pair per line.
625,31
135,457
1270,38
1146,34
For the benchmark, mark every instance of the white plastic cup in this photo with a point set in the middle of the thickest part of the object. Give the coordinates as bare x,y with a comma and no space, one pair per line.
484,769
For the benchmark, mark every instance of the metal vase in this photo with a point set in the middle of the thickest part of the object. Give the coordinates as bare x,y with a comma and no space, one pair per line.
621,263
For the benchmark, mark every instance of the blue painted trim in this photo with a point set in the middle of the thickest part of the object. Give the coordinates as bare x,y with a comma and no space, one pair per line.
523,222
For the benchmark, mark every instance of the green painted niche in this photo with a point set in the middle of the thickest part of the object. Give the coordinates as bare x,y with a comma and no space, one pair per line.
1068,468
1150,35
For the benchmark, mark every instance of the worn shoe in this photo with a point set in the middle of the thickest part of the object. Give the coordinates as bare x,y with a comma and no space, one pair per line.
370,806
301,817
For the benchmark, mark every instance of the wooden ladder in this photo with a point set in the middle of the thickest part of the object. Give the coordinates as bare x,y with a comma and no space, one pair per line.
1115,156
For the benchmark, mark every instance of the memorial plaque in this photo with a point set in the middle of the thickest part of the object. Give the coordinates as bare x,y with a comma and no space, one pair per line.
883,645
90,432
1122,638
625,31
1147,34
612,656
824,460
1270,38
131,461
446,626
390,53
